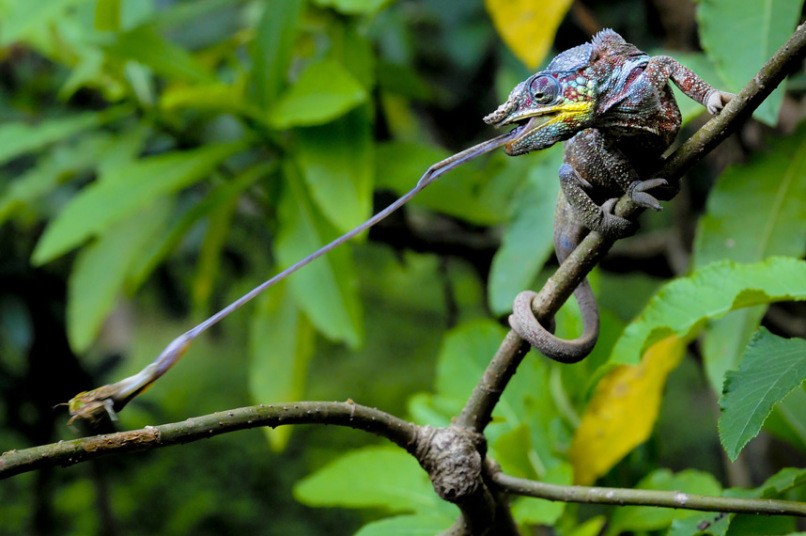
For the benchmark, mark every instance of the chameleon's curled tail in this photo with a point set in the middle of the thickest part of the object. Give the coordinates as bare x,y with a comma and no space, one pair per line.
523,322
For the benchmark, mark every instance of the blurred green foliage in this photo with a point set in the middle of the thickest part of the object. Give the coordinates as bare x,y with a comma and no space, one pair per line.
159,159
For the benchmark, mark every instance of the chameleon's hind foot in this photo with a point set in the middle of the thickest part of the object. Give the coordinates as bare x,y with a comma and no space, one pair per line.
638,192
611,225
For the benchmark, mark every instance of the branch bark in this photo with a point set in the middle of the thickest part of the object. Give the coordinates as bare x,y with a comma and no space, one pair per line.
645,497
404,434
66,453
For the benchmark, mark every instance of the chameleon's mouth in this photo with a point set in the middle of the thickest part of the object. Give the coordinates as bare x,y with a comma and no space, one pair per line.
528,126
532,122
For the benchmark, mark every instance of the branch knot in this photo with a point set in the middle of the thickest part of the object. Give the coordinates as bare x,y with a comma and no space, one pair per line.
452,457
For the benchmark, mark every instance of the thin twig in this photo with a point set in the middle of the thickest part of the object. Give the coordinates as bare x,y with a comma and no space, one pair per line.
646,497
65,453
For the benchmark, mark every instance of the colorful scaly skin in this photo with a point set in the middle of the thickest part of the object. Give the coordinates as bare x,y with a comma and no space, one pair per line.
615,106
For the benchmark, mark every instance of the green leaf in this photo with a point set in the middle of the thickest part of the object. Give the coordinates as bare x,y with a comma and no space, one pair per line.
219,196
19,138
717,524
708,524
464,354
272,49
281,343
463,357
741,35
337,162
425,524
101,269
749,218
644,518
753,525
682,305
724,341
107,15
372,477
210,254
324,91
770,369
353,7
58,166
145,45
327,289
355,51
122,192
214,97
781,482
788,420
528,238
23,19
749,525
426,408
591,527
402,80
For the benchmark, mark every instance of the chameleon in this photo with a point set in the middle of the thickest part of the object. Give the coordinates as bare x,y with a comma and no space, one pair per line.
614,105
609,98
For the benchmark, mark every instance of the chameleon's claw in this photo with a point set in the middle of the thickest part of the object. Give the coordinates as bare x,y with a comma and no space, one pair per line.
638,193
716,100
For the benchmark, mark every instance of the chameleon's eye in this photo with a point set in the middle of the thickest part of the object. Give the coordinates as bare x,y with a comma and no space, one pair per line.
544,89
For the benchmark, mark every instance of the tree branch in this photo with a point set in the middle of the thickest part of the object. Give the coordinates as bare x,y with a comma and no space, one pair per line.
645,497
402,433
65,453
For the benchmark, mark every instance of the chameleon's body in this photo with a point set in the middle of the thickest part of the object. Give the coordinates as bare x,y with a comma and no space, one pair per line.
615,106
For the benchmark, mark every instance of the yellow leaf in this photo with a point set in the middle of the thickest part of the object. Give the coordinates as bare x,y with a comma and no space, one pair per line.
527,26
622,411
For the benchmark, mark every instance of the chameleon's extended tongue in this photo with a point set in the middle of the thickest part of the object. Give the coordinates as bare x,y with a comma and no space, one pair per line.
464,156
104,401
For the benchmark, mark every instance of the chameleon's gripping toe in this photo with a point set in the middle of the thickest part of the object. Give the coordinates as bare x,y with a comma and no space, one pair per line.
641,197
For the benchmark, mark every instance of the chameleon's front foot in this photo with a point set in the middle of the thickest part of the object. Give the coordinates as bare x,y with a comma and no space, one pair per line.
716,100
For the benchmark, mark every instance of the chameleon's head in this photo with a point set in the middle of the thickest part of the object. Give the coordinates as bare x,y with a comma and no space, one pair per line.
556,103
550,106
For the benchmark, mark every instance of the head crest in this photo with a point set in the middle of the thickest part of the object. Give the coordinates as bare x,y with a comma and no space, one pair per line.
609,43
607,38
